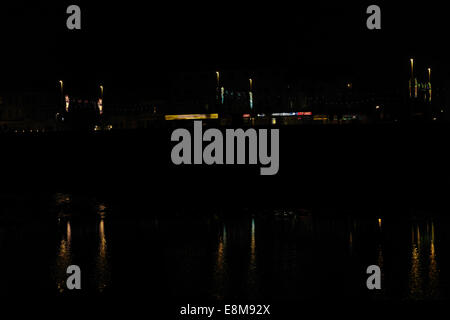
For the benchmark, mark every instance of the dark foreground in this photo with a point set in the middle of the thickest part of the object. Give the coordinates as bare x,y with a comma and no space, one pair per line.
219,254
144,230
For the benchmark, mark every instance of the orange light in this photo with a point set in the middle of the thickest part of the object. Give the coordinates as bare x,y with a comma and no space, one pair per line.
191,116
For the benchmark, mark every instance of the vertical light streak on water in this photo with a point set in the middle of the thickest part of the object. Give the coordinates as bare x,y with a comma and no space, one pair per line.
433,272
63,258
252,279
415,279
220,268
102,267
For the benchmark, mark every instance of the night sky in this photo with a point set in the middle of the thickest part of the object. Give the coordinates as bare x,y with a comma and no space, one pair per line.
134,46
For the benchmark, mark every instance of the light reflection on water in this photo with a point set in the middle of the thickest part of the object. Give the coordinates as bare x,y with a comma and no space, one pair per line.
102,265
424,271
220,268
63,258
253,256
64,255
252,278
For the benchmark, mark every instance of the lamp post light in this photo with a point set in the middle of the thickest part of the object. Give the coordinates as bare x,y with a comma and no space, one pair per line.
412,81
219,94
101,91
251,94
61,84
412,68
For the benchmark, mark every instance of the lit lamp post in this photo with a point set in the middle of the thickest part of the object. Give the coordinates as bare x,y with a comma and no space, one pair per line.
217,86
412,68
61,85
250,94
429,84
100,101
413,81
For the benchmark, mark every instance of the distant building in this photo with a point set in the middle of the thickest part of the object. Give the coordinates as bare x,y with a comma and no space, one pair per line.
28,111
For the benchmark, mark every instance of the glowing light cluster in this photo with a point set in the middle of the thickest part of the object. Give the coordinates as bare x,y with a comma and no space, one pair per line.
191,116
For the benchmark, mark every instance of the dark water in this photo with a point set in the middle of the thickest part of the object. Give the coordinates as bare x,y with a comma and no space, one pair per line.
218,254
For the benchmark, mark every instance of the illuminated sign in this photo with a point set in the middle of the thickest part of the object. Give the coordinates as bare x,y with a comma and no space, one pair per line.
291,114
246,115
191,116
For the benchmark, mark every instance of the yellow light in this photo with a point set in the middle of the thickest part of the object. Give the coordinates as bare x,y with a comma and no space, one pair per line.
67,100
379,223
191,116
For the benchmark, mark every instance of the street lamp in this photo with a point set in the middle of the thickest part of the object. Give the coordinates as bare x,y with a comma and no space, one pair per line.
101,91
412,67
250,94
413,81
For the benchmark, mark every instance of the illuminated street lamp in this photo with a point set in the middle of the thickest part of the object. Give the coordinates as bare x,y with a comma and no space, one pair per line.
219,91
412,81
429,84
250,94
100,106
101,91
61,84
